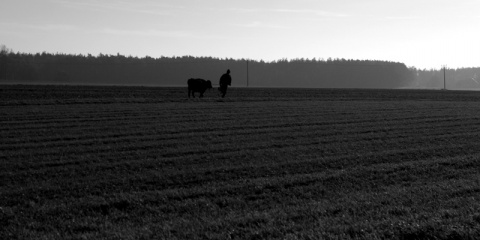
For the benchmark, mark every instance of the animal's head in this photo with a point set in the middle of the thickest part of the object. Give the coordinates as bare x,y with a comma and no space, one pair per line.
209,84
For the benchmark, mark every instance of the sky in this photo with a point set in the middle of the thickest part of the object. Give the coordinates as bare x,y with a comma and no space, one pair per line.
420,33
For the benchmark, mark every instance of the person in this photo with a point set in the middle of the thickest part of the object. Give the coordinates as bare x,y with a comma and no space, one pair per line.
225,81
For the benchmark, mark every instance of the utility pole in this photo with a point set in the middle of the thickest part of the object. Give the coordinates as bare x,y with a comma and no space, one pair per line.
247,72
444,79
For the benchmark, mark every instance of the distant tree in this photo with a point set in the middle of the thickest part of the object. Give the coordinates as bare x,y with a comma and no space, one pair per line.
4,54
4,50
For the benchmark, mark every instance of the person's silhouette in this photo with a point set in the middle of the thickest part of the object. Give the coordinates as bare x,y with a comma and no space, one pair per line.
225,81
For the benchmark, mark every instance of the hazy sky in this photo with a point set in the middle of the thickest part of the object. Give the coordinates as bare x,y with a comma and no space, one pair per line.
420,33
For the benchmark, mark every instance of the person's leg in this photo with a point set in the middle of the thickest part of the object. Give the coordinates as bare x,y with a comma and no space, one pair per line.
224,91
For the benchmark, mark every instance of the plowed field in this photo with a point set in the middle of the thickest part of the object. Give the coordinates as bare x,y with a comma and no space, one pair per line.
148,163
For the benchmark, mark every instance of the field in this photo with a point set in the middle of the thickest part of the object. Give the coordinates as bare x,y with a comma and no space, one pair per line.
79,162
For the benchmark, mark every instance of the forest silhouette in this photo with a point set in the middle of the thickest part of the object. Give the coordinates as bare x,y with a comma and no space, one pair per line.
59,68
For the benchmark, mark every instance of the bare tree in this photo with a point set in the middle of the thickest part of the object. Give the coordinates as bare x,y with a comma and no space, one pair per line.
4,50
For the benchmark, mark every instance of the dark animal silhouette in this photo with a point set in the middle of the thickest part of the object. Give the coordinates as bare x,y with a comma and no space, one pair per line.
198,85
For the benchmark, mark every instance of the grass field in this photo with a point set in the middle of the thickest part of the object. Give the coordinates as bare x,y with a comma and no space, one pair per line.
148,163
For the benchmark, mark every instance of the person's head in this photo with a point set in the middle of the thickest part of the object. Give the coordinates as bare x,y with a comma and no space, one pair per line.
228,71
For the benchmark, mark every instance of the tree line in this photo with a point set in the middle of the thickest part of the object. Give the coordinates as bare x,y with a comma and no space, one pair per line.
118,69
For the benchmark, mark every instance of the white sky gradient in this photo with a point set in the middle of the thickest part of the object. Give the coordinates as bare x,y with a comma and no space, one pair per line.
419,33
